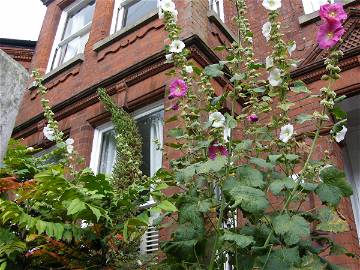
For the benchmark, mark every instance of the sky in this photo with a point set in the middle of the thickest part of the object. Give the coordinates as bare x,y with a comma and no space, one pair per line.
21,19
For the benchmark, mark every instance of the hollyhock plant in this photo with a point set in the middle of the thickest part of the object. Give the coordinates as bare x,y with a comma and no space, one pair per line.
189,69
175,106
269,62
275,77
168,5
329,34
69,145
253,118
215,149
49,133
333,13
178,88
272,4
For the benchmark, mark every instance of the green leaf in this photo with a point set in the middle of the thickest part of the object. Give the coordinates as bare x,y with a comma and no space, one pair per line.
279,185
242,241
176,132
291,157
334,186
58,230
286,106
262,163
274,158
310,262
260,90
205,205
331,222
282,259
230,121
244,145
75,206
293,229
238,77
249,199
338,113
299,87
40,226
220,48
302,118
171,119
167,206
249,176
95,211
214,70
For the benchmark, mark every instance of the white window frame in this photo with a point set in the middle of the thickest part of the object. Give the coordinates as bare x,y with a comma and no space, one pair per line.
212,6
118,17
309,7
100,130
58,42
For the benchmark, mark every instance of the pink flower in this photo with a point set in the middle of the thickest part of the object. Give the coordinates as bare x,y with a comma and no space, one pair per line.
215,149
329,34
178,88
333,13
253,118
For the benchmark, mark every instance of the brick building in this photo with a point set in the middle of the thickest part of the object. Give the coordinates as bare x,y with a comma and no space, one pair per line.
20,50
86,44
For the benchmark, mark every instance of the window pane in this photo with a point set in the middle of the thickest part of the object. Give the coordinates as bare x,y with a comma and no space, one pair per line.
313,5
77,21
136,10
108,152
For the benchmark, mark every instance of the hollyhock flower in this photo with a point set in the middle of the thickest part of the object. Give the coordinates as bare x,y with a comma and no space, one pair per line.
169,58
177,46
341,134
329,34
215,149
291,48
49,133
217,119
269,62
168,5
253,118
333,13
69,145
275,77
189,69
30,149
286,133
178,88
272,4
266,30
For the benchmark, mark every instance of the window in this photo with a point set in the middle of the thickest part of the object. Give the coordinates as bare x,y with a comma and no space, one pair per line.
218,7
311,6
351,152
73,32
129,12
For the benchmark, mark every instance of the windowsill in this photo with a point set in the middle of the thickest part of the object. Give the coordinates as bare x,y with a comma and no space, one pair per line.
79,58
98,46
213,17
314,16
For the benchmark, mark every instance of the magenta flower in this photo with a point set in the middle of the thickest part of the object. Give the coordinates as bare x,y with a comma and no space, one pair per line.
253,118
215,149
333,13
329,34
178,88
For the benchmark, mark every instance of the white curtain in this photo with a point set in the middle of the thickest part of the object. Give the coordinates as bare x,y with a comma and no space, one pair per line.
108,152
156,135
352,167
313,5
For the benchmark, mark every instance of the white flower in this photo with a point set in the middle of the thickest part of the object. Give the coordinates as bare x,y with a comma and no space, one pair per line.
341,134
275,77
161,12
30,149
266,30
69,145
189,69
49,133
169,57
177,46
269,61
286,133
168,5
217,119
272,4
291,48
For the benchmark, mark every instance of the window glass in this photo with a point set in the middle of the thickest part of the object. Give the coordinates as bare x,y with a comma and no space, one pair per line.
314,5
218,7
136,10
150,128
74,34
